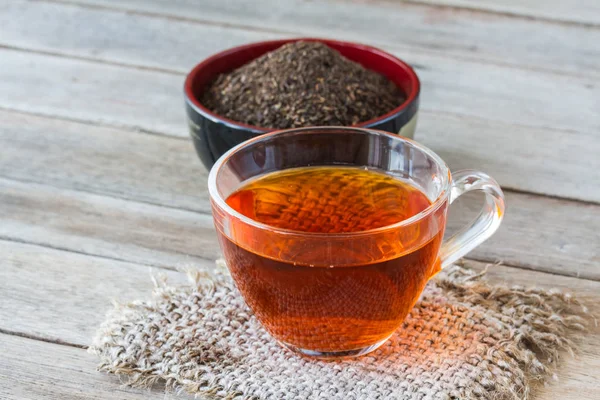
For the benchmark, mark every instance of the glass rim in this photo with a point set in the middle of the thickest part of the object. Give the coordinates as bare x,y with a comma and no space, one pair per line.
221,203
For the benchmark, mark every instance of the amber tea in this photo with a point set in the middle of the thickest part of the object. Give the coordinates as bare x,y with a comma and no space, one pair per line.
331,255
321,306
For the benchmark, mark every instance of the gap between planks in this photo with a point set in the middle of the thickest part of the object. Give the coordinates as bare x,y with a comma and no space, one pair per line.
579,12
463,6
415,66
100,124
40,338
145,13
433,4
90,59
83,253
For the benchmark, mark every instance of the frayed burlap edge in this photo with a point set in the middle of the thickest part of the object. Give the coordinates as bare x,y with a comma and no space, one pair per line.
543,324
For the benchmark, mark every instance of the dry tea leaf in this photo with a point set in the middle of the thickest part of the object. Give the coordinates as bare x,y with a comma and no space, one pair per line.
302,84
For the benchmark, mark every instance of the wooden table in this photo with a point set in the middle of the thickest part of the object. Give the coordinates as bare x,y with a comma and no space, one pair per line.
99,183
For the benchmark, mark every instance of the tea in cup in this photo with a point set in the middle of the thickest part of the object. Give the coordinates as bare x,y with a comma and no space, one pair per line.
331,234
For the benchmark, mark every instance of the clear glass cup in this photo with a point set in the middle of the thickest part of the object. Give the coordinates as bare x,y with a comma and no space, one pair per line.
344,294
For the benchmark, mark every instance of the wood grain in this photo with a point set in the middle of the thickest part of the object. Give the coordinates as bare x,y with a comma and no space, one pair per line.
87,211
538,232
104,226
549,234
394,24
529,159
57,295
493,92
577,11
165,171
478,108
32,370
83,90
152,101
115,162
114,36
63,296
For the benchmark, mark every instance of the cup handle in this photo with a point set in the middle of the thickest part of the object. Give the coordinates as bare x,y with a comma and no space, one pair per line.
486,223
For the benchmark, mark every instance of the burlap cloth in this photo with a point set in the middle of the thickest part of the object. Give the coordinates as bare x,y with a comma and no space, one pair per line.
465,339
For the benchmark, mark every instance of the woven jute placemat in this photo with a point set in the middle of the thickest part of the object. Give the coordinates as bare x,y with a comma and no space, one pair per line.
465,339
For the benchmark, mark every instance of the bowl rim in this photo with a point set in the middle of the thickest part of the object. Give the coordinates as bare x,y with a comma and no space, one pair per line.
194,102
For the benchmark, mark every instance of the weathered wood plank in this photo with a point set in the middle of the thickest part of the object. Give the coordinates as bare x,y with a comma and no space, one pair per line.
529,159
579,11
59,295
35,280
475,89
32,370
152,101
500,151
398,25
32,301
114,36
83,90
538,232
119,163
104,226
165,171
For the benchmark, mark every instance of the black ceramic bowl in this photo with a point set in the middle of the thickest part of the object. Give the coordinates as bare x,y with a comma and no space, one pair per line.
213,134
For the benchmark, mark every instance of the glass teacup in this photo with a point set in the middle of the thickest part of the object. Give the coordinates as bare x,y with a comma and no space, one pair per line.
337,294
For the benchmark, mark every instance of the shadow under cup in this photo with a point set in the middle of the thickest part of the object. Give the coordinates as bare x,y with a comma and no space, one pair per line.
332,295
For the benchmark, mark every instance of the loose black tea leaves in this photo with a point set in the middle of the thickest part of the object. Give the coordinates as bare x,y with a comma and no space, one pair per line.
302,84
